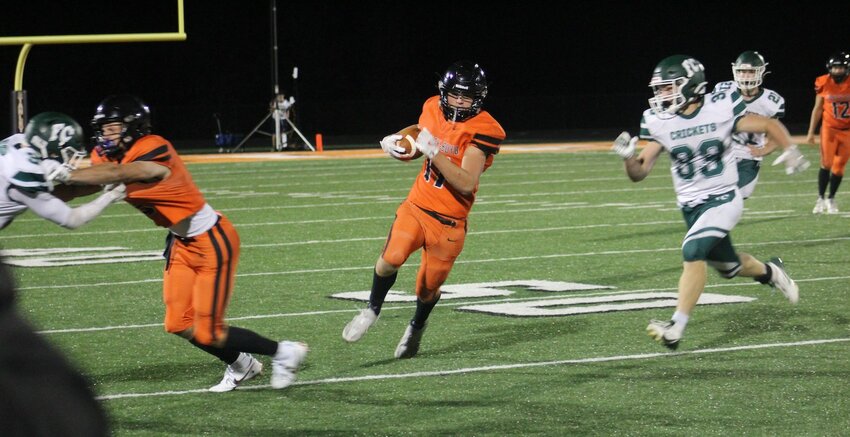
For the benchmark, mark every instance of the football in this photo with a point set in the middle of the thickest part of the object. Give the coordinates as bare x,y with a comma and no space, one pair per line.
413,131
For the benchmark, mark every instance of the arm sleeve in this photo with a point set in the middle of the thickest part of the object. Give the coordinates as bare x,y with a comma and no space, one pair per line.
51,208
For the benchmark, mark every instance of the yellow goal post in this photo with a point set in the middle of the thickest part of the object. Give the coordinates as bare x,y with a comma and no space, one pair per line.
19,100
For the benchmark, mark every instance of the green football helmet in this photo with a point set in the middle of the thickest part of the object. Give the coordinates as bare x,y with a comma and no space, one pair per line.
749,70
677,81
56,136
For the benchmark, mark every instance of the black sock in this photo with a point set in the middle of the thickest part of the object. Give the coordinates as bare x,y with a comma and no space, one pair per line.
226,355
823,180
380,287
244,340
834,182
423,310
765,278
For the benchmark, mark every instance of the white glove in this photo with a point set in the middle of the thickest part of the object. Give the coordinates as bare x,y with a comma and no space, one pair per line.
61,173
390,146
794,161
49,165
624,145
426,143
116,192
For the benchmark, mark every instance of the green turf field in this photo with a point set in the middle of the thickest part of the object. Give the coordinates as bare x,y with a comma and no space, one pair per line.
754,365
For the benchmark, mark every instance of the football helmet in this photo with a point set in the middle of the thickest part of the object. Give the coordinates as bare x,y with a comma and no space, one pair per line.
749,70
464,78
677,81
840,59
56,136
126,109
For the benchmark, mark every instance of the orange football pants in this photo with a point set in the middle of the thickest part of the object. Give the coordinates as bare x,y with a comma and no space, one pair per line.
834,149
441,239
199,277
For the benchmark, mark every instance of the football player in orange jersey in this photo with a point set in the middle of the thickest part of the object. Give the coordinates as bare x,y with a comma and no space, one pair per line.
833,89
459,140
202,249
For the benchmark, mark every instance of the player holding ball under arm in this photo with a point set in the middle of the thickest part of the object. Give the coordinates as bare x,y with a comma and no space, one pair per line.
459,141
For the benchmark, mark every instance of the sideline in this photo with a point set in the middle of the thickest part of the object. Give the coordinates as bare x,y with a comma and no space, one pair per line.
377,153
563,147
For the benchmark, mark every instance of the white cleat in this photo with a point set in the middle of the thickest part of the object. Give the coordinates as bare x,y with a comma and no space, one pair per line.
358,326
408,347
782,282
820,206
286,362
831,206
244,368
665,333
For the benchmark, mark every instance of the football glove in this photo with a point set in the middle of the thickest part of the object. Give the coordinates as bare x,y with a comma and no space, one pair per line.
427,144
624,145
116,192
794,161
391,147
60,174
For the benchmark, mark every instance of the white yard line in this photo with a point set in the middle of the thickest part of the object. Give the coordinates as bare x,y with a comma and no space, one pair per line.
499,367
444,304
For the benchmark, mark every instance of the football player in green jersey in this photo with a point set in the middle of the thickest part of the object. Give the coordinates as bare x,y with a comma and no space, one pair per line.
696,131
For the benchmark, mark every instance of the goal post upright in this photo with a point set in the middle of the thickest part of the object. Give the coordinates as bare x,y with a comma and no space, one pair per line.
19,96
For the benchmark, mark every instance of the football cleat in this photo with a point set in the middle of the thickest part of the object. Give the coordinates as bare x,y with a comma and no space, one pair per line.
358,326
244,368
285,363
820,206
831,206
665,333
782,282
409,344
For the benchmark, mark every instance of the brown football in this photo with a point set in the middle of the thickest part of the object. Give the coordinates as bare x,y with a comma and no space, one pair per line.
413,131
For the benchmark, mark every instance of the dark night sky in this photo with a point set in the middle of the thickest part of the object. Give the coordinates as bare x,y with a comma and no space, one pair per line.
365,68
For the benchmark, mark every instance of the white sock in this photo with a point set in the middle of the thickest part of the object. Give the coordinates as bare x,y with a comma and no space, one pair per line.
681,320
242,362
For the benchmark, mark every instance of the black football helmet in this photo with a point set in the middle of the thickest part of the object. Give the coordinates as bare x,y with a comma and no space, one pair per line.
840,59
126,109
464,78
56,136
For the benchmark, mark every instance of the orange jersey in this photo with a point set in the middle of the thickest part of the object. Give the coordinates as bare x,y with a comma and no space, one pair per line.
836,101
166,202
430,190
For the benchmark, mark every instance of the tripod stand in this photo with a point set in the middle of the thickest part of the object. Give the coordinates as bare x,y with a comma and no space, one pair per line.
280,108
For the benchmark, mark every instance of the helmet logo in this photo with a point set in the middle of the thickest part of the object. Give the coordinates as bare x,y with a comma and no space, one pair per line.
58,132
692,66
62,132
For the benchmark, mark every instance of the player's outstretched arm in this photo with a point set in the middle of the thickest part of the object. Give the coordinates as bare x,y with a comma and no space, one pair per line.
49,207
777,133
112,173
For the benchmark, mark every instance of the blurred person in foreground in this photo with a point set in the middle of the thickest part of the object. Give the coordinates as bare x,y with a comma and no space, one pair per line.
41,394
